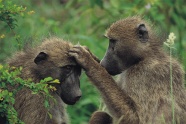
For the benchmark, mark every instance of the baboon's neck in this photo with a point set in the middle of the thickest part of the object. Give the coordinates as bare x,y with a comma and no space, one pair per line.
24,59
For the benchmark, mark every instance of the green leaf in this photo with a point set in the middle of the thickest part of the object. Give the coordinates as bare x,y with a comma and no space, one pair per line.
46,104
46,90
10,94
48,79
96,2
50,115
56,81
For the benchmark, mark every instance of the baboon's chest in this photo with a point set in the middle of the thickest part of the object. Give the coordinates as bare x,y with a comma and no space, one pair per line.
143,97
58,112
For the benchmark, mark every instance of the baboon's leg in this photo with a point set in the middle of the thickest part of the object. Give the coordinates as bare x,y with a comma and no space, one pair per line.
100,117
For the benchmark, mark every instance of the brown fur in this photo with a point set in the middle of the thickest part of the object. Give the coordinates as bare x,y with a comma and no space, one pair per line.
57,50
30,107
100,117
142,93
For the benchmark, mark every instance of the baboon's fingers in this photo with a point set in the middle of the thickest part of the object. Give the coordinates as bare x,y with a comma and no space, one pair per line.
73,54
79,47
80,58
74,50
85,48
83,51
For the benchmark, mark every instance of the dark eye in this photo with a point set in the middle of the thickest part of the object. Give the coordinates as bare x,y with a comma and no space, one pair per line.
112,43
65,71
68,68
112,40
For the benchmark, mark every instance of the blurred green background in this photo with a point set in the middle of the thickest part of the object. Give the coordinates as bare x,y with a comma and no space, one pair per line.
85,21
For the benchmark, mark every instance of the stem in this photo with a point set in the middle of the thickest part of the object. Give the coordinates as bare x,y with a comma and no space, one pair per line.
180,46
18,41
171,84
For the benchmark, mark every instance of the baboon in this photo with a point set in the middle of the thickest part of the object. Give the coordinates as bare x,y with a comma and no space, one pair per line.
142,94
50,59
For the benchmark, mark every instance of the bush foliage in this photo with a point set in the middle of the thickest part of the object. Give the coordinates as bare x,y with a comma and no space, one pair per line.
11,83
25,22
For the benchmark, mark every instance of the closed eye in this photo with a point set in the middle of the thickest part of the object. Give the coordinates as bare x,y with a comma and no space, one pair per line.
66,70
69,69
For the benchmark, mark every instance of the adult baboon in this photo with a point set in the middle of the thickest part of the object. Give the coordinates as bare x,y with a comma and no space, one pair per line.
143,93
50,59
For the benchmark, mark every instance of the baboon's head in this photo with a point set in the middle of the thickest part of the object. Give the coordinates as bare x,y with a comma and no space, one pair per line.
129,41
52,60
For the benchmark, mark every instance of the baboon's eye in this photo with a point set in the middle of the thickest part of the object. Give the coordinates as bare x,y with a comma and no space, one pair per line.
68,68
66,71
112,43
112,40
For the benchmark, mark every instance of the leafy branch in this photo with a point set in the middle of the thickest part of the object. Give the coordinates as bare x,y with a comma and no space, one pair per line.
10,78
8,14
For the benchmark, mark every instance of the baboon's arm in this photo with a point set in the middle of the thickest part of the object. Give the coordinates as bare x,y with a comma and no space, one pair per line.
116,100
93,56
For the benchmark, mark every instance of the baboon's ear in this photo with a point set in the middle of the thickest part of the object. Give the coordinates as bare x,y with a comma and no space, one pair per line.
40,57
142,33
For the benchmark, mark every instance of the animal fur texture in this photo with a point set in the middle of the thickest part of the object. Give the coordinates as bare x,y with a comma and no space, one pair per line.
142,94
30,107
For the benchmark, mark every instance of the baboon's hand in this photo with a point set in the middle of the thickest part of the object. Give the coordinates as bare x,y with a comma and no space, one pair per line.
82,56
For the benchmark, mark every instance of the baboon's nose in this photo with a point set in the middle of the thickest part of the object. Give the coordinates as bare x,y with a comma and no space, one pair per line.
77,98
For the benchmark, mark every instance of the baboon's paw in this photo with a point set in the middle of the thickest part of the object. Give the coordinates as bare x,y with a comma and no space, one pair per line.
81,55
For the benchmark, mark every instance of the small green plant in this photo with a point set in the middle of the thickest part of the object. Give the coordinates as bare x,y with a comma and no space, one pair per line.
170,43
9,12
10,79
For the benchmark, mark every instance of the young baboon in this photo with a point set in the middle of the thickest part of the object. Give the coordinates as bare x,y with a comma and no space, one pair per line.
142,95
50,59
